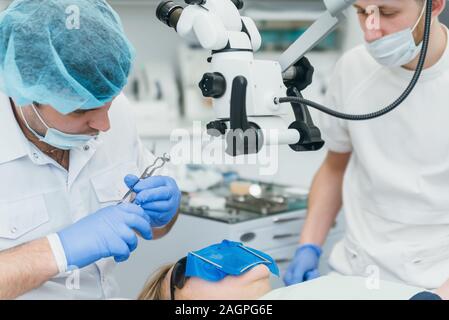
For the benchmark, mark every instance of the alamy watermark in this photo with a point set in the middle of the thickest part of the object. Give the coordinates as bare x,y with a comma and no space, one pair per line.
197,146
73,21
373,18
372,280
72,281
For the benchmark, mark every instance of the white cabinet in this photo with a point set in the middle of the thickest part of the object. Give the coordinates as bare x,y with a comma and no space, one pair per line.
269,233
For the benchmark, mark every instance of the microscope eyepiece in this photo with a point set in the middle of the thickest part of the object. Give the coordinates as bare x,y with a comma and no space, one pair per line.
169,13
238,3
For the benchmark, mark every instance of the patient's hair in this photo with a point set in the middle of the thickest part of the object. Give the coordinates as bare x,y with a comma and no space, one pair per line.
153,287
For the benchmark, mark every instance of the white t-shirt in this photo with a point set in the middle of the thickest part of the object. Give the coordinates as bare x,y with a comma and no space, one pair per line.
396,186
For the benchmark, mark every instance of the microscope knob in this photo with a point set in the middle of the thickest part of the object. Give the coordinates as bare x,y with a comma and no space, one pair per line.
199,2
216,128
213,85
238,3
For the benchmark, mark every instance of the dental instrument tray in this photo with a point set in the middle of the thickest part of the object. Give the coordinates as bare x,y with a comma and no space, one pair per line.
261,200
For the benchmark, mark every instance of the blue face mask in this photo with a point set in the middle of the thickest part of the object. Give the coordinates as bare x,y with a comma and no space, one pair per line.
56,138
227,258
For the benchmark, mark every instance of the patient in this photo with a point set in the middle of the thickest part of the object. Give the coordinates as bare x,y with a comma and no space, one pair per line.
231,271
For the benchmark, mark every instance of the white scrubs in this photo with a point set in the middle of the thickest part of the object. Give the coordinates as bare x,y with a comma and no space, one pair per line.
38,197
396,186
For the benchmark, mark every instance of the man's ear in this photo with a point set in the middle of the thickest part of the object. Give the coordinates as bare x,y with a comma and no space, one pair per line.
438,7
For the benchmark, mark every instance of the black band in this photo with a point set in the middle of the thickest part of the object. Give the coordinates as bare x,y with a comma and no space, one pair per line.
231,50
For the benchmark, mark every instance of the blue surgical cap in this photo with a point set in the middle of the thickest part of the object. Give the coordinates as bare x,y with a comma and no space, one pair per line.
70,54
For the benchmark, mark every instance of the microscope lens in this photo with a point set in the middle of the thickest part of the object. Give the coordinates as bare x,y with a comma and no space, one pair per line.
169,13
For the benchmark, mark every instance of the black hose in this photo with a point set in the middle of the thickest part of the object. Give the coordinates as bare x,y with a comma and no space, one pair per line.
391,107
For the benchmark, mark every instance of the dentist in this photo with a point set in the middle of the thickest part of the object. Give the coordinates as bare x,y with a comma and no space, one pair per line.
68,141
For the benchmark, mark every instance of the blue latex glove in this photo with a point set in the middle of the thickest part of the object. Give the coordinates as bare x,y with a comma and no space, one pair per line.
304,265
110,232
159,196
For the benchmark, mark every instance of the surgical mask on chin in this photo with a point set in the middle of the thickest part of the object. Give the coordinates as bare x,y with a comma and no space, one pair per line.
56,138
397,49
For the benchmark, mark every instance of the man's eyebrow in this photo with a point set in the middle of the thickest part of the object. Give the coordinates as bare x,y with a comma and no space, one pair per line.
380,7
80,111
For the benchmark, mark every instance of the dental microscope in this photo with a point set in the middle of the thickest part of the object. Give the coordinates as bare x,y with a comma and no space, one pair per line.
250,96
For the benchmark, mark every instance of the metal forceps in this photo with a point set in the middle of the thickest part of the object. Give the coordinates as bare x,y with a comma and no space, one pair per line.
149,171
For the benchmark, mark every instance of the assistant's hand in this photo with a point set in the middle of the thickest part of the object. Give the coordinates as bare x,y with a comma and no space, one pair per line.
159,196
304,265
110,232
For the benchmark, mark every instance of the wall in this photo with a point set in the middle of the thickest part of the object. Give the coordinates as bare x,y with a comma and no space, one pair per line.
152,39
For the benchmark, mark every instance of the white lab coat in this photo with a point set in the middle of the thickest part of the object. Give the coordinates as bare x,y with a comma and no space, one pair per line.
396,186
38,197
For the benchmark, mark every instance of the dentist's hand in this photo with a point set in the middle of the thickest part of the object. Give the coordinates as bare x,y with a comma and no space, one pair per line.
304,265
110,232
159,196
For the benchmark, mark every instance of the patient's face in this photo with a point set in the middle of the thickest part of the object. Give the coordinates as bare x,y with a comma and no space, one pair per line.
251,285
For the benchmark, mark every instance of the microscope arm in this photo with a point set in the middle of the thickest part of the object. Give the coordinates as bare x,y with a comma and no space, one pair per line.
317,32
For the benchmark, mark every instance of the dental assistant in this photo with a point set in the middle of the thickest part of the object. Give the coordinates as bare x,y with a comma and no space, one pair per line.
68,143
389,175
